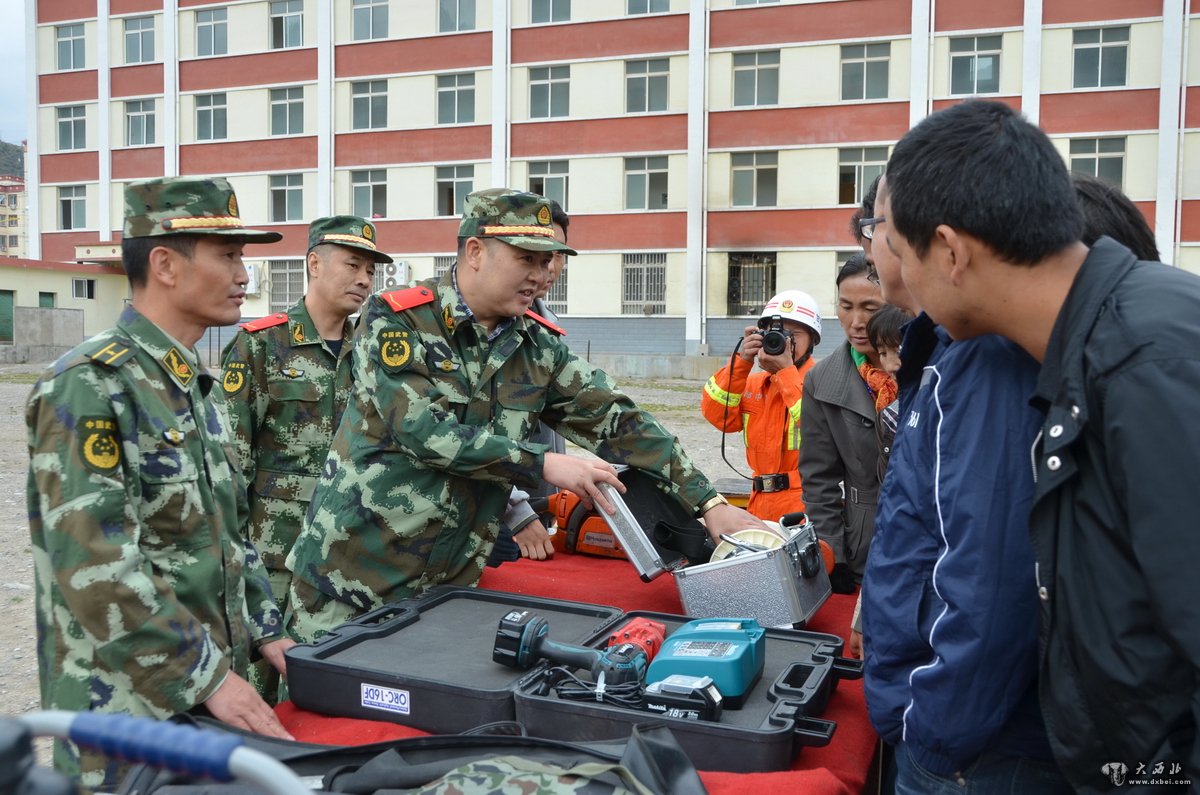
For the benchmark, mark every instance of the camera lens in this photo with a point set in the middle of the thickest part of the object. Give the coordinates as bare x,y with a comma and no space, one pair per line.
774,342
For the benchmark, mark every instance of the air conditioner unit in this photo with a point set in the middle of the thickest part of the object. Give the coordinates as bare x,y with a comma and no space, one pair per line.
392,275
252,273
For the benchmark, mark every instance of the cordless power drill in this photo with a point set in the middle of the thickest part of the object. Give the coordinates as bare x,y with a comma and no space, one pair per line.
521,640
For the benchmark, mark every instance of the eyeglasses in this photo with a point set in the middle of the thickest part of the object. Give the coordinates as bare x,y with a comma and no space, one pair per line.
867,226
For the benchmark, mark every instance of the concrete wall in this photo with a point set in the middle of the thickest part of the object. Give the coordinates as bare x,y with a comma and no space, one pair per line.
42,335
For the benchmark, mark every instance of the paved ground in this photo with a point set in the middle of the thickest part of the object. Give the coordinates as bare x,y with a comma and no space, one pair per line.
674,402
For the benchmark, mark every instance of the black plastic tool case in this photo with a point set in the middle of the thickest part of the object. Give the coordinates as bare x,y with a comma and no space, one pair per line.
437,650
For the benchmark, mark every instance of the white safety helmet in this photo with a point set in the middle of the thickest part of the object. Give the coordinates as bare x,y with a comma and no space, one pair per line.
798,306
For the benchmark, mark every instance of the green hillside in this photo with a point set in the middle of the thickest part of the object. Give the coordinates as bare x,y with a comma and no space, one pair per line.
12,159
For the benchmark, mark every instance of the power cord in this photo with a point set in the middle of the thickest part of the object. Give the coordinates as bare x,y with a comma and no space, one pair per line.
725,417
570,687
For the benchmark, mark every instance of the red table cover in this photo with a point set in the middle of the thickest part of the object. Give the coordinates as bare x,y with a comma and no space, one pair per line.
841,768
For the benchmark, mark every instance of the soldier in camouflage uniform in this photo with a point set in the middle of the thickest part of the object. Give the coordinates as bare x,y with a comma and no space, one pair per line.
149,601
286,381
450,379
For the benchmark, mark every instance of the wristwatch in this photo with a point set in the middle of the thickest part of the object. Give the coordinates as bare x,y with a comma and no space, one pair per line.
711,503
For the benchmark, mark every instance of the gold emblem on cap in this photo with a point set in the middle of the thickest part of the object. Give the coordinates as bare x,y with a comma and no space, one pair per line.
233,208
367,233
543,215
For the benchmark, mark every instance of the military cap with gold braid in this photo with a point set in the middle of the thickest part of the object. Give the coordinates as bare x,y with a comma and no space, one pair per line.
518,218
187,205
346,230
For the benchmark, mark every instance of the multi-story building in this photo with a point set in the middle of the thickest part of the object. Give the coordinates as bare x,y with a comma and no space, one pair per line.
13,202
710,152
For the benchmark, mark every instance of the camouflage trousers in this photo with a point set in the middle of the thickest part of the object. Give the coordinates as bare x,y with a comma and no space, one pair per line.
262,674
312,613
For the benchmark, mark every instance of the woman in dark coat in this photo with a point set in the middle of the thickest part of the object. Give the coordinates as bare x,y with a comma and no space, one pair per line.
839,448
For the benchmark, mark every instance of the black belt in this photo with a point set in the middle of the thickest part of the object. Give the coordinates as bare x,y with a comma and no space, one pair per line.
769,484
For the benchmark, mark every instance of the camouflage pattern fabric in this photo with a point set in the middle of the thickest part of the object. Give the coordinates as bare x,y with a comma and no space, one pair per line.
285,392
147,594
504,775
434,437
518,218
173,205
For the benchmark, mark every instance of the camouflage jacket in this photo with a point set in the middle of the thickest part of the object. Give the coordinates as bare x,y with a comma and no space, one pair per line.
146,593
434,437
285,392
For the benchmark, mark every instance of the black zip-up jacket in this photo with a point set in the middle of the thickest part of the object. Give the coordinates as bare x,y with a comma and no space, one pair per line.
1115,525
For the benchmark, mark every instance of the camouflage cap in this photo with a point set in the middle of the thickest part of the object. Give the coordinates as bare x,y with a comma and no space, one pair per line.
186,205
518,218
346,230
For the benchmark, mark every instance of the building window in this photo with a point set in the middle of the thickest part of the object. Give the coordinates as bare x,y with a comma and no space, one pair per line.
453,185
139,122
646,183
549,178
857,169
756,78
456,98
441,265
751,281
72,207
71,127
13,241
212,36
287,197
647,6
83,289
70,46
287,23
643,284
549,92
1101,55
12,200
369,193
456,15
556,298
287,111
210,117
14,220
287,283
370,19
369,104
755,179
1100,157
543,11
139,40
975,65
47,300
646,85
865,70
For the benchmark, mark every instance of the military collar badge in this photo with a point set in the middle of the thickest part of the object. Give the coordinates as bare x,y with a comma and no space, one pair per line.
178,366
298,333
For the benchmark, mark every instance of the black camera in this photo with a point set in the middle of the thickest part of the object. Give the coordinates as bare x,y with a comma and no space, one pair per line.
775,339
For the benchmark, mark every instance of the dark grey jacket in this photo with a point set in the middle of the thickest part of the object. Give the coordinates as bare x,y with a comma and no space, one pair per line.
1116,523
838,444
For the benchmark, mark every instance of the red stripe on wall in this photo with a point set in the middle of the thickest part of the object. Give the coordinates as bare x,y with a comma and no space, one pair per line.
942,104
654,34
133,6
972,14
429,234
1191,115
1098,111
629,231
60,10
413,146
137,163
137,81
790,126
815,22
70,167
61,87
1189,222
1147,210
1059,11
598,136
71,267
756,228
60,246
275,155
282,66
439,53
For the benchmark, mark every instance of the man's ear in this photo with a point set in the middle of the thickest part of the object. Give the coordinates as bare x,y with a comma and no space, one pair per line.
475,251
956,250
312,264
164,264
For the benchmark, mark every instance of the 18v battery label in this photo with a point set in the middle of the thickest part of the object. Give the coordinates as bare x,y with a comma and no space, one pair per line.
385,698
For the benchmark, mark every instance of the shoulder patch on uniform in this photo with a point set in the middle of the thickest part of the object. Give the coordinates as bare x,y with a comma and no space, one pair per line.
559,330
395,350
399,300
235,377
270,321
113,354
98,446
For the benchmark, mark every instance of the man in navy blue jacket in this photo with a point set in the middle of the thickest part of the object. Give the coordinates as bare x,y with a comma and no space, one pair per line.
949,603
989,243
